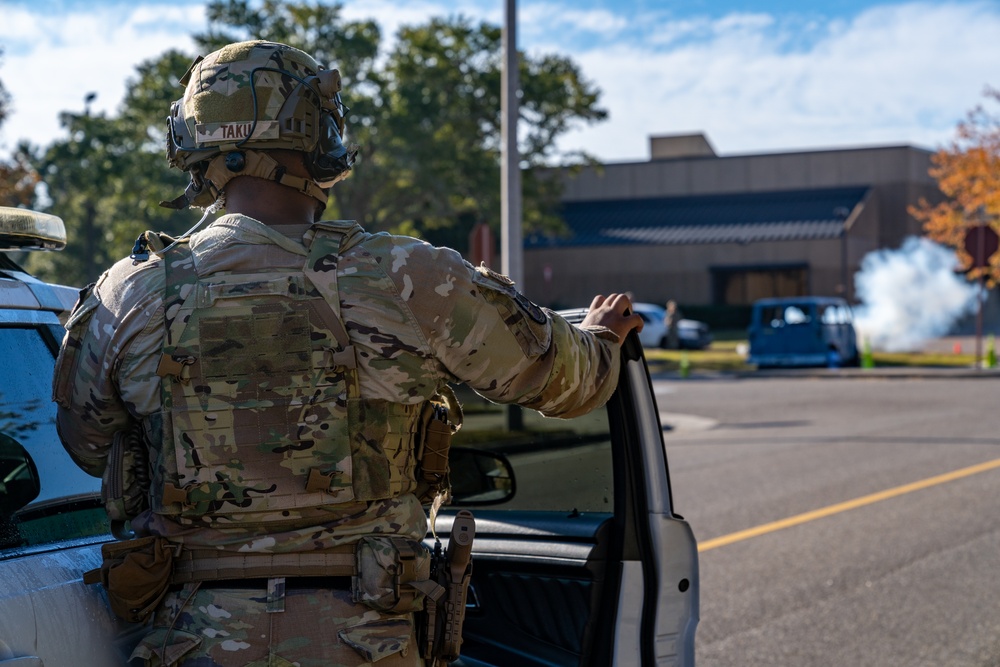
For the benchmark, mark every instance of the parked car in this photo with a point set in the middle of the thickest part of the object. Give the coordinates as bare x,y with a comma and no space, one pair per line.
579,558
691,334
802,331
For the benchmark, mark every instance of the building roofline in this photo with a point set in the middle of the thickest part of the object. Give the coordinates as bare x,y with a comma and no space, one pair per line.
804,151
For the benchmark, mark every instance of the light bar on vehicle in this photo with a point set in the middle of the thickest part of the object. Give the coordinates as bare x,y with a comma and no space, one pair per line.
21,229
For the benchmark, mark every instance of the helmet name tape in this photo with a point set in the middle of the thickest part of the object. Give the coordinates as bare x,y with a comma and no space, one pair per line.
226,132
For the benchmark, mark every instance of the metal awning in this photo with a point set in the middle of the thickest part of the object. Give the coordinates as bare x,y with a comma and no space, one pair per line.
793,215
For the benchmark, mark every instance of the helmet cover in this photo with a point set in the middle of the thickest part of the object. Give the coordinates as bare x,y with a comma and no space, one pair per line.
252,96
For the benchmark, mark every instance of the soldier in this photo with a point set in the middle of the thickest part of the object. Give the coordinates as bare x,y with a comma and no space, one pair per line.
278,369
671,317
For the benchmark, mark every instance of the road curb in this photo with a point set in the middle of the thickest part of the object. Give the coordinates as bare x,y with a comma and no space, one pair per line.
890,373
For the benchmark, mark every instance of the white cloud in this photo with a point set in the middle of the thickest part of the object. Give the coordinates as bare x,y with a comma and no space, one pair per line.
901,73
392,15
893,74
544,18
51,61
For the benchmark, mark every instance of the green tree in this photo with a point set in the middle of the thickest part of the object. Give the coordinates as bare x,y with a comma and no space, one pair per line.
318,29
443,122
428,119
105,179
426,114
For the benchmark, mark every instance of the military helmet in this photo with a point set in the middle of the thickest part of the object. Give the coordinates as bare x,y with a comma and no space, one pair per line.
250,97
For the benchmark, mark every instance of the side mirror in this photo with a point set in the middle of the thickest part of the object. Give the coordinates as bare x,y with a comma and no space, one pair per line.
19,483
480,477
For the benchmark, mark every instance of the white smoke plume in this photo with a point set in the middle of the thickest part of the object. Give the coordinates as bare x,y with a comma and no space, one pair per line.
910,295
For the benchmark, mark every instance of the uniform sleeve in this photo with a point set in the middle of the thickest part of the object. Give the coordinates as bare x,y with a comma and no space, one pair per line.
489,336
90,408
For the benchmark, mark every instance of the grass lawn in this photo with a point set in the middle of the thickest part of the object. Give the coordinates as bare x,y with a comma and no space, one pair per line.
722,355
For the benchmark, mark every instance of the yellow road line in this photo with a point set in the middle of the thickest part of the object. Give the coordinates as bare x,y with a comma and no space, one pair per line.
844,506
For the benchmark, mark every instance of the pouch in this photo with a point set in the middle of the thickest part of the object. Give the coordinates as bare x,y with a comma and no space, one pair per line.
125,486
165,646
388,567
136,574
440,418
380,640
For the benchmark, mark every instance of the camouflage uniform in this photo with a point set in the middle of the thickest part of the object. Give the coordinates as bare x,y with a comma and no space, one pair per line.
419,317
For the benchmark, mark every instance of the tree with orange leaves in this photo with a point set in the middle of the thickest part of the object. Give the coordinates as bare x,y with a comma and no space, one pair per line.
968,174
17,178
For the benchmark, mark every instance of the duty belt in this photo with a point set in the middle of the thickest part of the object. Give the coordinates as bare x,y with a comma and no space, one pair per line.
211,565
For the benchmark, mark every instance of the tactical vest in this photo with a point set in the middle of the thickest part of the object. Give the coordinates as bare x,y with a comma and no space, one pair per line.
263,417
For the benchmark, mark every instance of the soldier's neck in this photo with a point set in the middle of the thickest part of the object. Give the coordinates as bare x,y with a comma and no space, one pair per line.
269,202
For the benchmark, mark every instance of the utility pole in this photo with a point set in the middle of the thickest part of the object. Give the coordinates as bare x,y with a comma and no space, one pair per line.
511,243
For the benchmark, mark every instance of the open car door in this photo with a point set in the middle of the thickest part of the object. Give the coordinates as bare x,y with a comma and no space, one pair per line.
585,564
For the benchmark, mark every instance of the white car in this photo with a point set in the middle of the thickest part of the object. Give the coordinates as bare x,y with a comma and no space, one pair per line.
691,334
579,558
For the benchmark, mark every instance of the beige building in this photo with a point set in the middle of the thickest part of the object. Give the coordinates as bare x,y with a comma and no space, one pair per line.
710,230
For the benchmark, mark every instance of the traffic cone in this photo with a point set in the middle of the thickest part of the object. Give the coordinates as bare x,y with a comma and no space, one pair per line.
867,361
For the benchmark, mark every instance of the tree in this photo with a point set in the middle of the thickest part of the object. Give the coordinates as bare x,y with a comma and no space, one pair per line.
436,150
107,177
968,174
428,120
426,114
317,29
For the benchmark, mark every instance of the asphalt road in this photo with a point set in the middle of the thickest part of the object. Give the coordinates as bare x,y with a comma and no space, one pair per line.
884,562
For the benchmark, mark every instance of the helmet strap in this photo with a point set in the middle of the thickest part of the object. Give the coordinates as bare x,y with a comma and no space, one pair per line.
261,165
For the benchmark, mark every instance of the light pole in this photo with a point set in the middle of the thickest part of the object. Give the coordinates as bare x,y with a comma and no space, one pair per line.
511,245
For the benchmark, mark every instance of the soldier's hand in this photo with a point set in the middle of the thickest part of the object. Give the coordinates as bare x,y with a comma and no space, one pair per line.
614,312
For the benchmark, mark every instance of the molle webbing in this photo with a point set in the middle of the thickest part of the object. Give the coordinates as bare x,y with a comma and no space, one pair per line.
262,391
212,565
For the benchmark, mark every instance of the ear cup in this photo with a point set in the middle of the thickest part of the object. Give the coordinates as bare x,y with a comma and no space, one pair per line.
330,160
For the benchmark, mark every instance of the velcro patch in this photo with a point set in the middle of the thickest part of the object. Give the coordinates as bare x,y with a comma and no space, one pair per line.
504,284
236,131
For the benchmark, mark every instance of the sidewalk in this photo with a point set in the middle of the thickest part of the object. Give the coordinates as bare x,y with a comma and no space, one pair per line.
893,372
896,373
887,372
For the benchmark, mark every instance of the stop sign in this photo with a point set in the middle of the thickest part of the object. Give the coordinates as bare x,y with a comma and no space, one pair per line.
980,242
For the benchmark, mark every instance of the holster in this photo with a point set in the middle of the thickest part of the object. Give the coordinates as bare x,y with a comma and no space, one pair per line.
439,627
136,575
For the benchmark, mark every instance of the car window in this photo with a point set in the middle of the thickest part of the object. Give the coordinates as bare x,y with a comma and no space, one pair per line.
772,316
796,315
67,506
560,465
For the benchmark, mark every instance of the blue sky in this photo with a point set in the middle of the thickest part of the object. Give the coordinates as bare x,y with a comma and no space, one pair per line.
753,76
